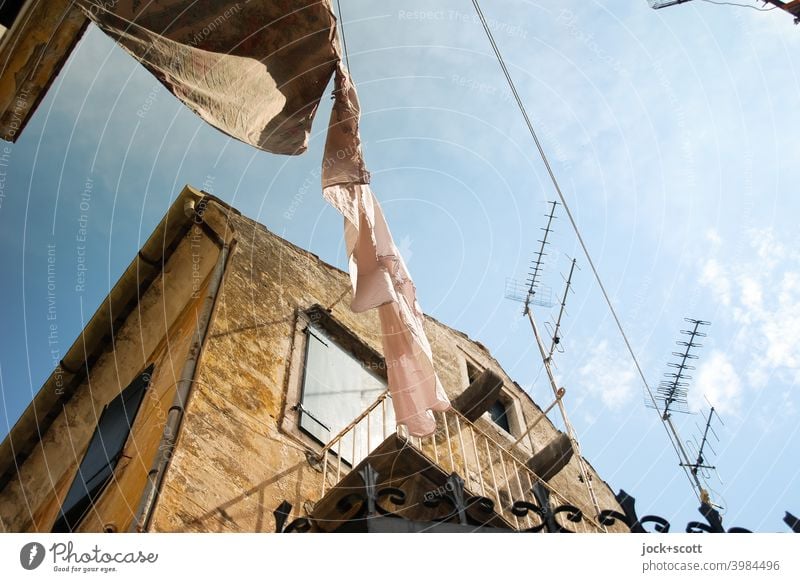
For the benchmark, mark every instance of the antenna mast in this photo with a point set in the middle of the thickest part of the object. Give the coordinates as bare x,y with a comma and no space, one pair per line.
547,354
671,398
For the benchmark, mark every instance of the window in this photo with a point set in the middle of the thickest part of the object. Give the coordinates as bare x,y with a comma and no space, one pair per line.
9,10
499,415
472,372
487,396
336,388
103,453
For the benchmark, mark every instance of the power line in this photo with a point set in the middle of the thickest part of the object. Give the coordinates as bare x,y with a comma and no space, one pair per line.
572,221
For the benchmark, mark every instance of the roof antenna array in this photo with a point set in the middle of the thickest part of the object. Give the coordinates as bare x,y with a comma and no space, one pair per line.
701,466
555,327
672,397
532,292
672,392
533,289
517,290
536,265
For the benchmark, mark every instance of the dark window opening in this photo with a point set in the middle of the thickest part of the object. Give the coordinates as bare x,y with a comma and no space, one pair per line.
103,453
499,414
9,10
336,388
472,372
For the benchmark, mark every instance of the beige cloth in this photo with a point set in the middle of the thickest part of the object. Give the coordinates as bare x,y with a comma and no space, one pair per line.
377,271
255,69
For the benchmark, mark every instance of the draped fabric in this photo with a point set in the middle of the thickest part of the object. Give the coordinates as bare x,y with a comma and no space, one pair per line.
255,69
378,273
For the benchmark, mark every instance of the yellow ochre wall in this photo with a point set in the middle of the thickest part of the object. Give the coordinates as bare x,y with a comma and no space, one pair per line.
235,460
159,331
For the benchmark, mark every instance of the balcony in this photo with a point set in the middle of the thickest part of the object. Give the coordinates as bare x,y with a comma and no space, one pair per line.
458,479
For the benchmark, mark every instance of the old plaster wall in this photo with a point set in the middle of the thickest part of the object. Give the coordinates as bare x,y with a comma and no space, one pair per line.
157,331
235,462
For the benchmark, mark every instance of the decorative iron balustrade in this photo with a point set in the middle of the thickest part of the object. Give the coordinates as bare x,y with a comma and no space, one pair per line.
461,509
485,478
494,471
491,471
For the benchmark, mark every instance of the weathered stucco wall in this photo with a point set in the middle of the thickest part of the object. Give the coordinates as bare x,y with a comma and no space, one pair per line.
239,452
159,332
234,463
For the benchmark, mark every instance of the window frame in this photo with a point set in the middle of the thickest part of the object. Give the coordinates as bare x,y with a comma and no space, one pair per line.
316,330
472,368
507,413
319,317
137,388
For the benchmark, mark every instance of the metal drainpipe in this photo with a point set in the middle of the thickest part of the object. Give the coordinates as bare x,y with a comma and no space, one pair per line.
155,477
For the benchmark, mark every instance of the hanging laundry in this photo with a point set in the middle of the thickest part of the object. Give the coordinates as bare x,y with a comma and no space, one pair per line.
378,273
255,70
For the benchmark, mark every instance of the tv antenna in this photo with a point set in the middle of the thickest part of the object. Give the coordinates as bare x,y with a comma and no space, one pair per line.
517,290
555,336
537,265
701,467
791,7
671,398
530,299
673,391
531,292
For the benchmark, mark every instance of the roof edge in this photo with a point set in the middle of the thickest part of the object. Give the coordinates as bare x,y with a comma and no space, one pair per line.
62,383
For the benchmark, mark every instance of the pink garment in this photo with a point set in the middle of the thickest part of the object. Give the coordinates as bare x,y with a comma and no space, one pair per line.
377,271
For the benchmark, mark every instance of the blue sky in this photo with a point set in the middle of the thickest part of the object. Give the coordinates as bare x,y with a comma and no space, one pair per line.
672,133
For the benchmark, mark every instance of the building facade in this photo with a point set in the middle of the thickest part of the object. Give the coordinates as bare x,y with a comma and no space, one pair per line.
36,39
226,386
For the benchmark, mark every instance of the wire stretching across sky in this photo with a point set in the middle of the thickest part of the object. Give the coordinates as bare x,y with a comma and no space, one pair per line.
738,5
574,224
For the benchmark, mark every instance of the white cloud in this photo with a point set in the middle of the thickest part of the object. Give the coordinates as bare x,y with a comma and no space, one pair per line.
605,377
780,324
761,296
717,380
714,276
752,294
767,247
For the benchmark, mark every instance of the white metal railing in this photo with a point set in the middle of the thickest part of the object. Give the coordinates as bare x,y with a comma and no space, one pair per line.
357,440
489,468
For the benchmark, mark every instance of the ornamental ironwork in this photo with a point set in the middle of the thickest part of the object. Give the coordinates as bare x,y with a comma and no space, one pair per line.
367,502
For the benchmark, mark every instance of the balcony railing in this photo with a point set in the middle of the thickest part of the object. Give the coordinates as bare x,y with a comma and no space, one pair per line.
356,441
489,469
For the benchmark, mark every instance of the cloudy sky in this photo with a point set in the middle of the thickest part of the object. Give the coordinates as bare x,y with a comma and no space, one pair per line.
672,133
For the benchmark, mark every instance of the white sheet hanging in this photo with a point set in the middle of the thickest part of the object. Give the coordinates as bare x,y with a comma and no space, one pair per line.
378,273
